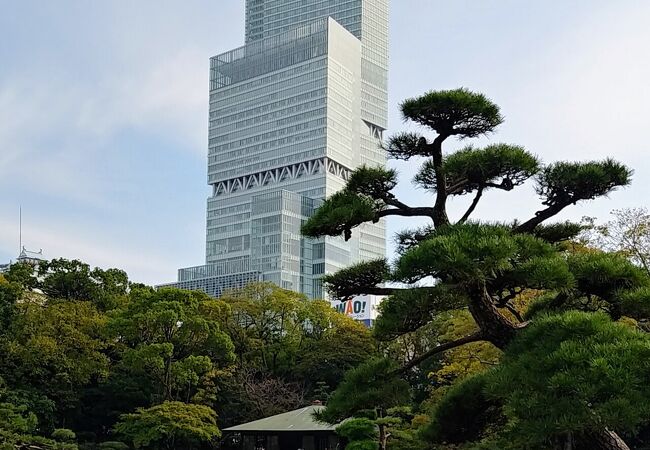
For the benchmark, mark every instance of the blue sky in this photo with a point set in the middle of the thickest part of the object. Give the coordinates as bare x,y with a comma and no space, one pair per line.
103,110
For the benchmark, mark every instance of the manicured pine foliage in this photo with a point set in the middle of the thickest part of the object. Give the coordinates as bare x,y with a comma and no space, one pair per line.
486,268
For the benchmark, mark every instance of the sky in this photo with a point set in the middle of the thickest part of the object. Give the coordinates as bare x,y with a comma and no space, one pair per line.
103,111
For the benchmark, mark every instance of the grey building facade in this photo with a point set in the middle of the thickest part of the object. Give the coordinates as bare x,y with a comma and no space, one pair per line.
292,113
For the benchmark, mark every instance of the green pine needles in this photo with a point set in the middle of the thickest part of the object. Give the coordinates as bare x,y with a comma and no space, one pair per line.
570,373
566,376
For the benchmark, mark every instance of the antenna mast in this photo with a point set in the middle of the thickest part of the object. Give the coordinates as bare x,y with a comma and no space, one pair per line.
20,228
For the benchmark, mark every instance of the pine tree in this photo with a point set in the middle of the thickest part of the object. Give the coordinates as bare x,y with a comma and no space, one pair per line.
477,266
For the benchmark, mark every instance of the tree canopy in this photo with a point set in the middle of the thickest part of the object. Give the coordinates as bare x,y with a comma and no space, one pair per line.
507,276
91,360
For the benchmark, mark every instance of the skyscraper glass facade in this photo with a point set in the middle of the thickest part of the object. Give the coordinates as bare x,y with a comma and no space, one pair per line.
291,114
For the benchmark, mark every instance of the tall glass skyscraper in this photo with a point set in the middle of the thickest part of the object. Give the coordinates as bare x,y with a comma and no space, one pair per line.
292,112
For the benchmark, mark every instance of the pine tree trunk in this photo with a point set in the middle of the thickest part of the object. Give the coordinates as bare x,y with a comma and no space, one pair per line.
497,328
606,440
383,438
500,331
440,218
568,443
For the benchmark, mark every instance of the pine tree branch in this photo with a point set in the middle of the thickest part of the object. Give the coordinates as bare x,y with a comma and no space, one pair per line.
475,337
392,201
409,212
378,291
472,207
369,290
540,216
514,312
457,186
402,209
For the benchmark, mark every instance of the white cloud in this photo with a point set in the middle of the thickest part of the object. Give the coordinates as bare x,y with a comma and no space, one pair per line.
51,134
590,95
169,95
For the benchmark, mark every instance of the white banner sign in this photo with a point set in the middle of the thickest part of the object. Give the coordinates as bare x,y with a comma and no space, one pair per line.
359,308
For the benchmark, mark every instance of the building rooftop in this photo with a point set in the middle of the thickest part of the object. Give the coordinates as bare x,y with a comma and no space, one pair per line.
28,254
298,420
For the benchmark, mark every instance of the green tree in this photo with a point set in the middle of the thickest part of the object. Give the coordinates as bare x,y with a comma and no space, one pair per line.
360,434
460,362
10,293
562,379
332,344
113,445
287,348
23,274
572,374
18,427
64,435
478,266
75,280
266,324
173,338
170,425
52,351
283,334
369,391
457,363
17,419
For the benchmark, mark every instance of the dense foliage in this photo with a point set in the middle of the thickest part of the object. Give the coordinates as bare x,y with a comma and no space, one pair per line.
511,334
89,360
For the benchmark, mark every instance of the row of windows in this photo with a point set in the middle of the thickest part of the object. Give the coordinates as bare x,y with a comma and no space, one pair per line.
216,231
266,207
230,113
318,250
372,249
226,124
275,79
269,114
265,250
256,31
221,267
292,130
260,96
290,145
288,15
243,165
228,245
373,74
254,149
228,210
375,240
215,286
279,127
318,269
308,7
227,219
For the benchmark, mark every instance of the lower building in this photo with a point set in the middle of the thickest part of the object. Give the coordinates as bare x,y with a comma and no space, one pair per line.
25,257
291,430
271,249
199,279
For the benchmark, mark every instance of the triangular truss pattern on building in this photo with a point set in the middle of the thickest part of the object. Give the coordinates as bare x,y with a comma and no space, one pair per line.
282,174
